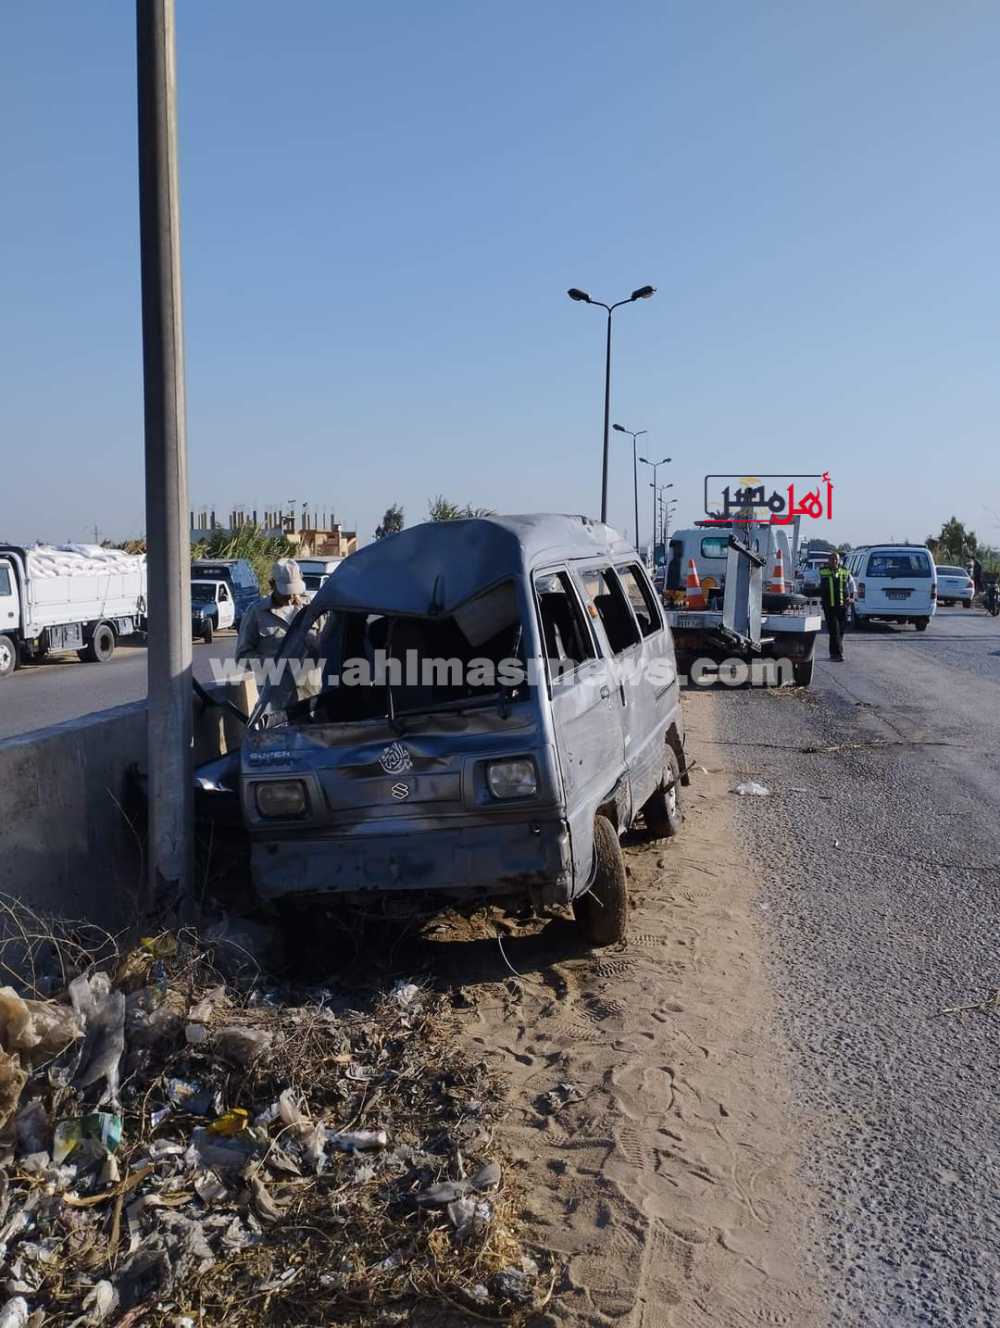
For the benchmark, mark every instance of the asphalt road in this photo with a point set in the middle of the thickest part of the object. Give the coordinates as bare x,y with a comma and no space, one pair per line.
878,855
37,695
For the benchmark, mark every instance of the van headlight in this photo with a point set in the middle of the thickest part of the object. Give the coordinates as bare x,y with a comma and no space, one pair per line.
281,798
512,779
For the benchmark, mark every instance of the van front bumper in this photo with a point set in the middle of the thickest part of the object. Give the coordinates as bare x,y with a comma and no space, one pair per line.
530,859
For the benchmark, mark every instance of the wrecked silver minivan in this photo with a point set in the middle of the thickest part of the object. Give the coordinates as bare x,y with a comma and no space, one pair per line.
477,709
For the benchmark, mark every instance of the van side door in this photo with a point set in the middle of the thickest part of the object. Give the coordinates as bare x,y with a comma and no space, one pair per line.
585,708
622,642
653,689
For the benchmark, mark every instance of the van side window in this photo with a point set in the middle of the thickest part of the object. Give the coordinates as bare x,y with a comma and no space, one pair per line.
564,632
5,581
603,592
641,597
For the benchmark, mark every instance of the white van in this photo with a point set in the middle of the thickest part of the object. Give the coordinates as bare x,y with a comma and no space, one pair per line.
316,572
896,583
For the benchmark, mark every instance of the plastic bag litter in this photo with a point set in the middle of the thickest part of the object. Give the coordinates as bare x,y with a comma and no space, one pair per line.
406,994
209,1188
243,1045
192,1097
98,1127
356,1141
196,1034
201,1012
154,1016
15,1313
450,1191
102,1012
34,1131
221,1154
99,1304
263,1201
40,1028
512,1284
230,1123
751,789
12,1081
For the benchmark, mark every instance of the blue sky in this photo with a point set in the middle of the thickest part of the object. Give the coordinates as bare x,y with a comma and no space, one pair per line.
383,206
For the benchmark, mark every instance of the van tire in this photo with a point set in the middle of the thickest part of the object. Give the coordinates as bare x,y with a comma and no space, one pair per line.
101,646
662,812
207,632
921,624
802,671
8,656
602,913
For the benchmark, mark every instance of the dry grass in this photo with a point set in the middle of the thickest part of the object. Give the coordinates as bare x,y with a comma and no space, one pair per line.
347,1245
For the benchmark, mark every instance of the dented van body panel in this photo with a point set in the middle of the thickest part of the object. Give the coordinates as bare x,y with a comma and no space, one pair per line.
471,785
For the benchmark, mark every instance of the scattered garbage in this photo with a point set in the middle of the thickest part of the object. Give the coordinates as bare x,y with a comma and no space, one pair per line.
182,1144
751,789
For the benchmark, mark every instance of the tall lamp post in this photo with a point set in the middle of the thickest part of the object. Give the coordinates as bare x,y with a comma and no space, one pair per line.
643,293
635,473
668,512
658,491
655,465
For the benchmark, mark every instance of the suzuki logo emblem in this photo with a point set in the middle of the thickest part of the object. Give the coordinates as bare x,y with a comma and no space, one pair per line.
400,791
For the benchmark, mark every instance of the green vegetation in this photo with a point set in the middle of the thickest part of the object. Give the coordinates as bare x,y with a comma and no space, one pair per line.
392,522
441,509
249,542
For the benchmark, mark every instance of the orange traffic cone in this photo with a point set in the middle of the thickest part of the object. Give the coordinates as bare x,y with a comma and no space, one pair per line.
695,594
776,585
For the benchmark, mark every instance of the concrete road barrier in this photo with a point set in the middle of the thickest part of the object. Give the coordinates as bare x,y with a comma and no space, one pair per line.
69,832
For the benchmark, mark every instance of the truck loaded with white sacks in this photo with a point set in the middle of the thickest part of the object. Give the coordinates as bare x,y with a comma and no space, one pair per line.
71,597
747,626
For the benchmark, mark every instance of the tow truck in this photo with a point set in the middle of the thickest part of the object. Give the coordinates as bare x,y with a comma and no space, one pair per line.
757,629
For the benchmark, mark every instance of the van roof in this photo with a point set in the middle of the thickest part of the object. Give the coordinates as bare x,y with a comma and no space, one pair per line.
438,565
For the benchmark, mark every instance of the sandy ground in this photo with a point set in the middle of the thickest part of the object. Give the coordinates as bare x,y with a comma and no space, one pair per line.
649,1108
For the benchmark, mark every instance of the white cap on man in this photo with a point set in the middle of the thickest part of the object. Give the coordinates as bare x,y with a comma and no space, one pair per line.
287,578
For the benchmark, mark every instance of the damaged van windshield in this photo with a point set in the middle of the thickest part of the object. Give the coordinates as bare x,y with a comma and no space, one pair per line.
360,665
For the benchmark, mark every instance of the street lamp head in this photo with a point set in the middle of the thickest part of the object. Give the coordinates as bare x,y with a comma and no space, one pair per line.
645,462
575,294
619,429
643,293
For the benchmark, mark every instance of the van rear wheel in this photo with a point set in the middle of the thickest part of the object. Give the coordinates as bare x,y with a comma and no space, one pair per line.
921,624
662,811
602,913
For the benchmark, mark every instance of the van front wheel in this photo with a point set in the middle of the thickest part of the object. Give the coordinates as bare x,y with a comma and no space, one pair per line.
921,624
663,810
602,913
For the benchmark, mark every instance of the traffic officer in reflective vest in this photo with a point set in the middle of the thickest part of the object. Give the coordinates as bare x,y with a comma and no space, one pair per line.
835,593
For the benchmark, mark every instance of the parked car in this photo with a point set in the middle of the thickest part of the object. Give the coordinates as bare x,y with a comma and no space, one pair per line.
895,583
222,590
809,570
955,586
510,773
316,572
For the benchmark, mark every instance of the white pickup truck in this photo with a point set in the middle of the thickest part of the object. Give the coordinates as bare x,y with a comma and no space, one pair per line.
74,597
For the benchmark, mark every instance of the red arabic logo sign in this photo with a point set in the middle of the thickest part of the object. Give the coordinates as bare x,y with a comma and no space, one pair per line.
741,499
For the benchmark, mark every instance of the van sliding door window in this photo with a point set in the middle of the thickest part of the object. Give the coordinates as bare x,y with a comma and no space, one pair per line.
603,593
641,597
565,638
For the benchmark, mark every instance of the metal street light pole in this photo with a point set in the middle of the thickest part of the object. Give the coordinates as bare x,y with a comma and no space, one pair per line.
643,293
635,473
168,544
655,465
661,504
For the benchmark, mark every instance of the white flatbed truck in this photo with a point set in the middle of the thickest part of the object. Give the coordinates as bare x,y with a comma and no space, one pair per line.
69,598
751,625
